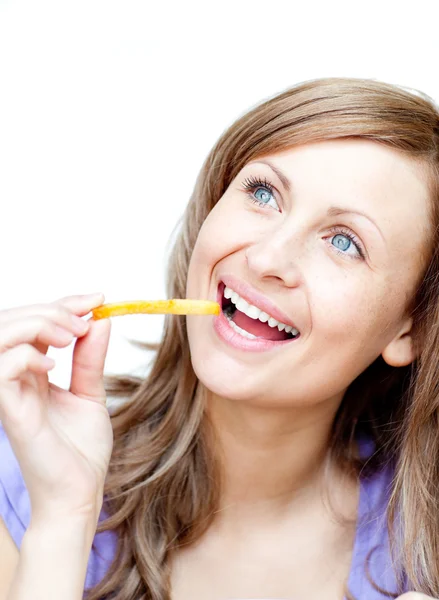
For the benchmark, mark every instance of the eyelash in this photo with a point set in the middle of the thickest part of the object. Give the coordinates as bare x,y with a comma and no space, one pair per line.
252,183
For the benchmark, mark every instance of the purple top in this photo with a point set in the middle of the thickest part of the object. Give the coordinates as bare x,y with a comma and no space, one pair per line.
371,525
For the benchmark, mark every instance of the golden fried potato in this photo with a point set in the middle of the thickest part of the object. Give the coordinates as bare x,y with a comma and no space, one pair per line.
175,307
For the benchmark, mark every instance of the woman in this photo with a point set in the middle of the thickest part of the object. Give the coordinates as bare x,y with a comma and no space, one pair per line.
287,448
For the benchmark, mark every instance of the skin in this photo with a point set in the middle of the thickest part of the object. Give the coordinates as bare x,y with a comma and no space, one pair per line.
272,412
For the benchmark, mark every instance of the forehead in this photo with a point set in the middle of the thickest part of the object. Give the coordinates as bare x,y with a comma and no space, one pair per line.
381,170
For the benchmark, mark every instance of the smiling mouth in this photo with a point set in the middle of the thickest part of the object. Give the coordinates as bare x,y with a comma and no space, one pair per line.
251,322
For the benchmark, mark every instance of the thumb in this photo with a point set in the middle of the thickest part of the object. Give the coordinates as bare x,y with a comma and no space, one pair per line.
88,361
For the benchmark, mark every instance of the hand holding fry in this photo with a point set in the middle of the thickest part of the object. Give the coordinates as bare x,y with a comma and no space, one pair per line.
62,438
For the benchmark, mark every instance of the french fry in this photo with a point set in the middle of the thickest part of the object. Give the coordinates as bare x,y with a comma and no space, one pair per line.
175,307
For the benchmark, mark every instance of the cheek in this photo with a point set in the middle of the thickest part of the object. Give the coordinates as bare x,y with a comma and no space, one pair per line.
202,256
219,236
351,315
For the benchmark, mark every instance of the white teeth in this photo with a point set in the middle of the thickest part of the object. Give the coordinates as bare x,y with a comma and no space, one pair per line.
241,305
255,313
246,334
272,322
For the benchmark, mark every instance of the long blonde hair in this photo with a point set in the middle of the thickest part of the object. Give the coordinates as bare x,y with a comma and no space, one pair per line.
163,483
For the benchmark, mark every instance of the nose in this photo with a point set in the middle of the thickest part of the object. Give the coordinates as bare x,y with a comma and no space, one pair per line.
275,256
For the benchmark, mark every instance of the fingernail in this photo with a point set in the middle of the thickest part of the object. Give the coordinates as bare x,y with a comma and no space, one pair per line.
49,363
79,325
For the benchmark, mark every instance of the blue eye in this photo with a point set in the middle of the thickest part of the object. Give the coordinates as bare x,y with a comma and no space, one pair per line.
343,246
264,197
340,232
264,189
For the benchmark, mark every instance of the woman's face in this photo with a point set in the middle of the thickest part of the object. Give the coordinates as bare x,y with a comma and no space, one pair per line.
285,251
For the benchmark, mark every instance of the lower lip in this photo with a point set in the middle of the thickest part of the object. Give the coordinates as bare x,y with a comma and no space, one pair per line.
233,338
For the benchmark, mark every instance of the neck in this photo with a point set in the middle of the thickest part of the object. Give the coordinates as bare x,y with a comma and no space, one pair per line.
271,458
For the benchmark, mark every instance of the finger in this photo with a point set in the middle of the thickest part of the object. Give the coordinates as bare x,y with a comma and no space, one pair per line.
88,363
65,312
17,360
78,305
82,305
17,363
43,332
40,330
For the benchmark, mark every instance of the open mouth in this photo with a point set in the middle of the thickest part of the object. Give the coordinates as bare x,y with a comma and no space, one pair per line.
250,321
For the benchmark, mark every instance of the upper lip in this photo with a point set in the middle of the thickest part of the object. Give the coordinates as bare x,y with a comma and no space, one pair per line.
252,296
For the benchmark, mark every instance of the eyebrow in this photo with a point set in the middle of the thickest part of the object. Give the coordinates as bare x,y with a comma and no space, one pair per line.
333,211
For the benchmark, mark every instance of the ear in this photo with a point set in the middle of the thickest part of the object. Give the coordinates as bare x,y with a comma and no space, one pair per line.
400,351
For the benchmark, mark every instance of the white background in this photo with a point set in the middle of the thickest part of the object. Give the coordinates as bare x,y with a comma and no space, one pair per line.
108,109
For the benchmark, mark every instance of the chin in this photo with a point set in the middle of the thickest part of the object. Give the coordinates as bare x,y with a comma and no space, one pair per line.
224,377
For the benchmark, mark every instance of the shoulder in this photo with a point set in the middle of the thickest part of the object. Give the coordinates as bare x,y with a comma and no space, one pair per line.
14,498
8,564
13,513
376,482
372,559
